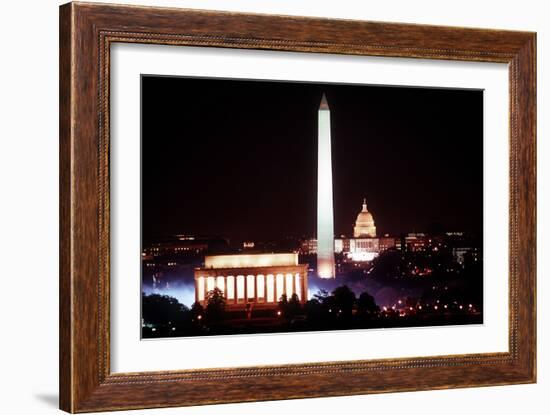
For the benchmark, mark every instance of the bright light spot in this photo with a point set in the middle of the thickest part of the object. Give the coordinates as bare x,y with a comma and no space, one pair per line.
200,283
289,282
298,286
278,313
250,286
325,270
280,285
435,307
210,283
240,286
220,283
199,317
260,281
231,287
362,256
270,288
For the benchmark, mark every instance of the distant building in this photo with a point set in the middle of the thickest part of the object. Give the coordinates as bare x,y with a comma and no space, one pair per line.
463,247
459,254
308,246
182,245
415,242
173,248
252,279
386,242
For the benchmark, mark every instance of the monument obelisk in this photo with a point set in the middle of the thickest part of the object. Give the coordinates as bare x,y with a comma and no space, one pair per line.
325,215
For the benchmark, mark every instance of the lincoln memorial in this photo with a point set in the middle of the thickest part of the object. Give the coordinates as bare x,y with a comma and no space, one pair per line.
260,279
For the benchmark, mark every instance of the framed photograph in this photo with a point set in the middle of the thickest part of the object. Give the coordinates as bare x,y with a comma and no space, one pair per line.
258,207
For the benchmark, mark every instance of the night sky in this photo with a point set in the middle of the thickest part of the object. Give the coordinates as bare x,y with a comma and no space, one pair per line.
239,159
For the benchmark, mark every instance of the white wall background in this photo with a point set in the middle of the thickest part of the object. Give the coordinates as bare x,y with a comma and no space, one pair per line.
29,207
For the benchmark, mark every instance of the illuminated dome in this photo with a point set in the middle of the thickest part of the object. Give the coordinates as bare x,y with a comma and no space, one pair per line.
364,225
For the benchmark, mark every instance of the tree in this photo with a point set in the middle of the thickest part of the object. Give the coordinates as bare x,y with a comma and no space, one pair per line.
197,312
283,302
322,307
215,305
294,306
283,306
321,296
366,306
344,300
162,310
314,310
290,308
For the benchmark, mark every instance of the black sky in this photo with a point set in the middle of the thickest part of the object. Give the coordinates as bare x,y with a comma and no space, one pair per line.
238,158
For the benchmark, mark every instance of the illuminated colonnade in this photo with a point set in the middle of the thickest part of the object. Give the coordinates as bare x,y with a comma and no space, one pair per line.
262,285
241,288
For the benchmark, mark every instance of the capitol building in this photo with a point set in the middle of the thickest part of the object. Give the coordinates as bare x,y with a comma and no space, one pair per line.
365,244
364,225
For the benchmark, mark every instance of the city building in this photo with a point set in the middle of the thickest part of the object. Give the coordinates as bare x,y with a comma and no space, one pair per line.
463,247
162,249
308,246
363,249
415,242
364,246
257,280
182,245
386,242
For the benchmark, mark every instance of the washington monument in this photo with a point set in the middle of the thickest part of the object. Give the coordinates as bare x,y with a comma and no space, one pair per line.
325,215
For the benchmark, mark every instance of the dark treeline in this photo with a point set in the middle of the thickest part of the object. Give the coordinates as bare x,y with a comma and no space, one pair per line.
164,316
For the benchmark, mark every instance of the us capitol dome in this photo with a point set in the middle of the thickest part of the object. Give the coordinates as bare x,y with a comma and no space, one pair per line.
364,225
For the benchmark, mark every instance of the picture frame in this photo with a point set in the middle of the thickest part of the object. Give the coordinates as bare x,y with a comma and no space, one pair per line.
87,32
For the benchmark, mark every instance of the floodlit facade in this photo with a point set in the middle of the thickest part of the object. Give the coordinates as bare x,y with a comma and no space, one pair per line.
257,279
363,247
325,218
364,224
